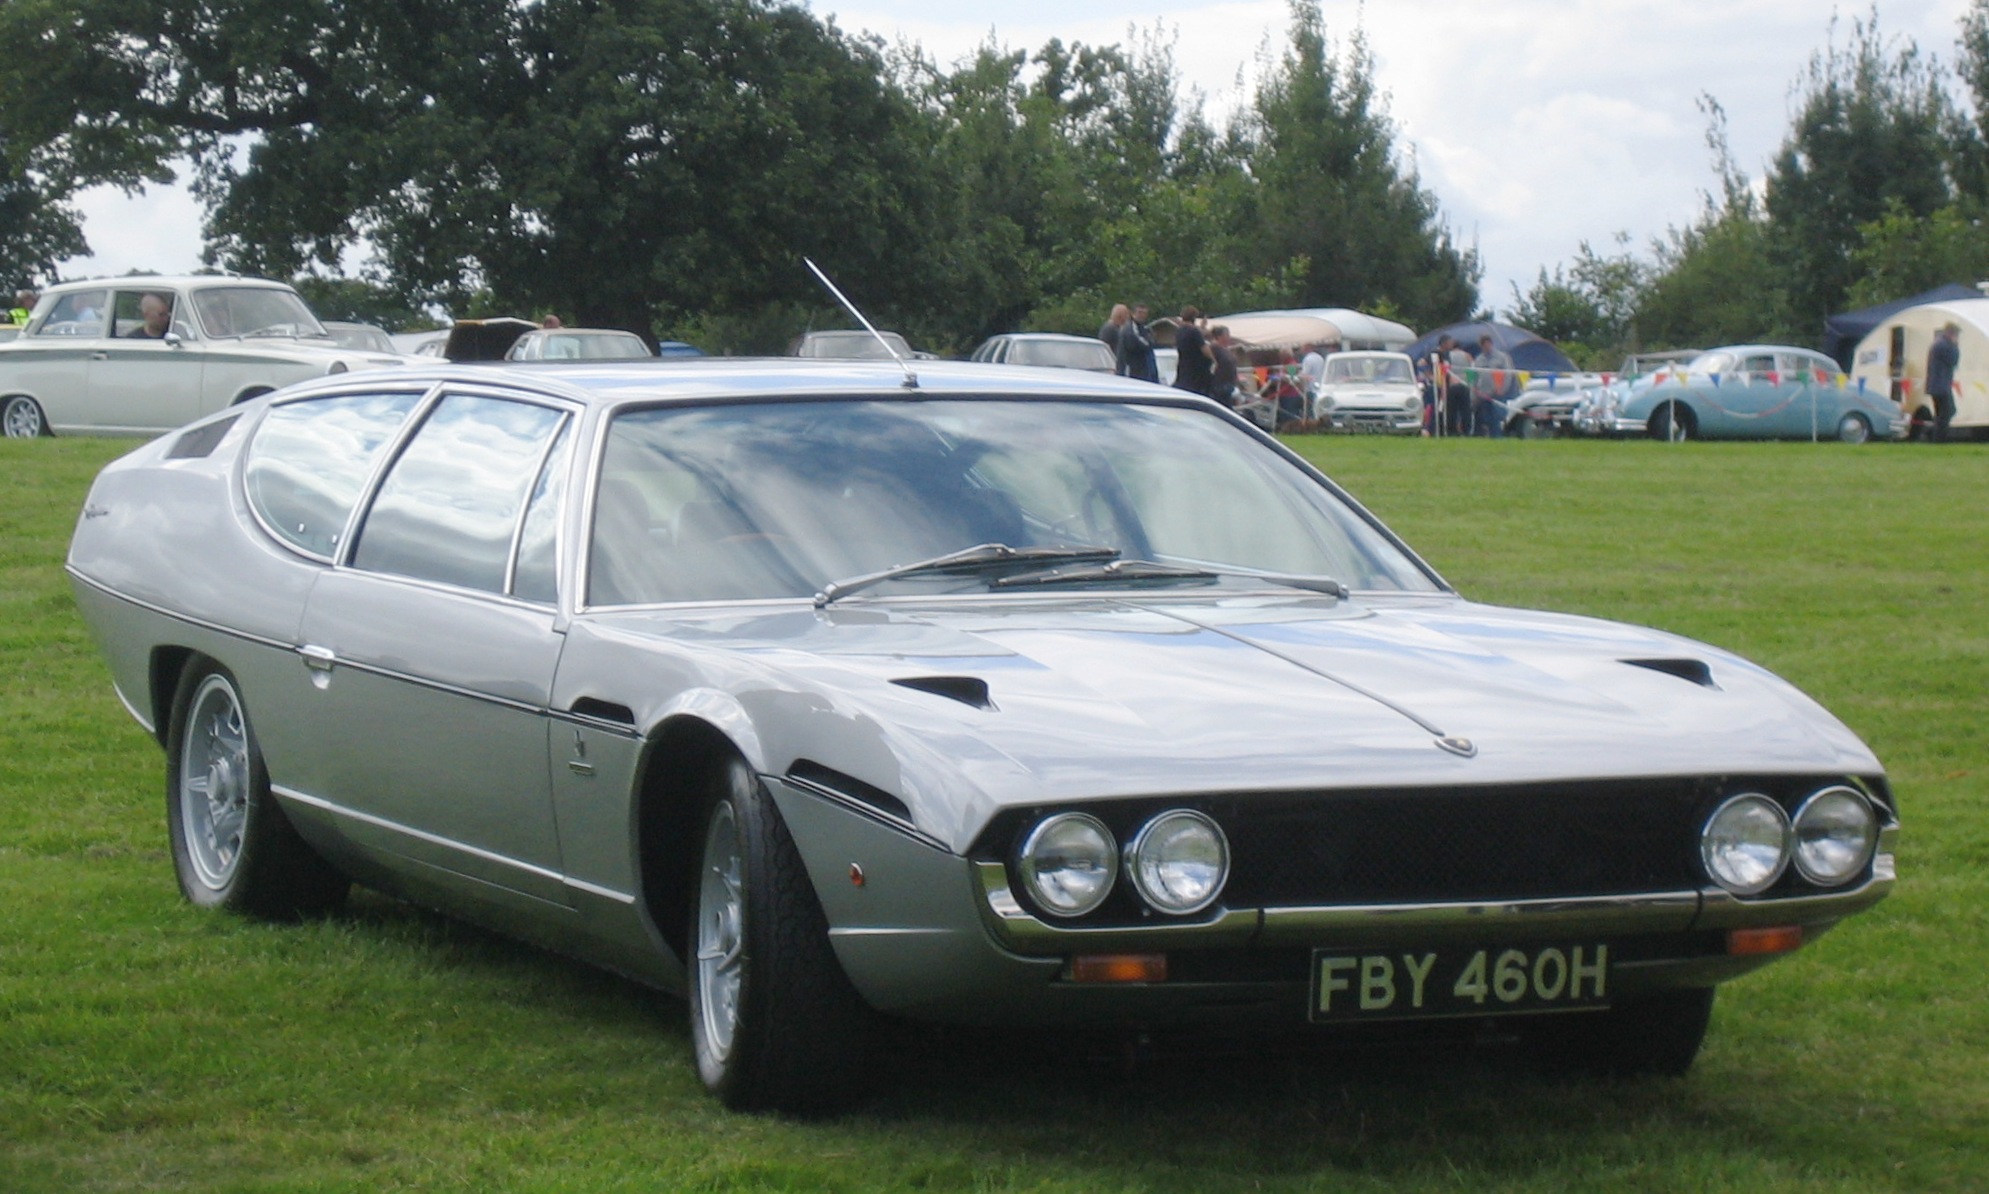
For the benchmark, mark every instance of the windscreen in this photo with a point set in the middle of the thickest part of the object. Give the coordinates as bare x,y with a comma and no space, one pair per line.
780,499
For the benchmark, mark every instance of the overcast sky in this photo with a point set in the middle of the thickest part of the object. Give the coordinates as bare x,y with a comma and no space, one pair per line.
1537,123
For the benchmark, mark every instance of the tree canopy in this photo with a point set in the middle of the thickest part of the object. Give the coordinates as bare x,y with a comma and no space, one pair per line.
665,163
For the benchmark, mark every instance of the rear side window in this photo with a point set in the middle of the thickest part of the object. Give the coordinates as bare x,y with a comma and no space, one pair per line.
311,459
450,505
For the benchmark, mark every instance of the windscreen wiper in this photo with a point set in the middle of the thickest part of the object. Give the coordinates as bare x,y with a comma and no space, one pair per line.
1154,572
1127,571
967,560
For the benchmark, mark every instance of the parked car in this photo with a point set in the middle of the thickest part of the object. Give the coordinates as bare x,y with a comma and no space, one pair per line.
851,346
362,336
1370,391
1047,348
1746,391
1011,695
141,355
578,344
421,344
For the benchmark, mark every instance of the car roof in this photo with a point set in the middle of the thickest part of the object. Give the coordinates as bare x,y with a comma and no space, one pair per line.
1744,348
1047,336
699,379
162,281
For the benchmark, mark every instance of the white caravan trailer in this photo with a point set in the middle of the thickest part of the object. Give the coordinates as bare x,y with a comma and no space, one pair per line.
1892,362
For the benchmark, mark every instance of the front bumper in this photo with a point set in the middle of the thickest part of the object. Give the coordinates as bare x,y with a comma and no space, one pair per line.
1356,418
930,935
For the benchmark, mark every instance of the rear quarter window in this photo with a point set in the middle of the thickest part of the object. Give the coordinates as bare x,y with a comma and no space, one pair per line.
309,462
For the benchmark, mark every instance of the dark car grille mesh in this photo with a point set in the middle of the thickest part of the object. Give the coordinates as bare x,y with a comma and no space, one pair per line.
1537,842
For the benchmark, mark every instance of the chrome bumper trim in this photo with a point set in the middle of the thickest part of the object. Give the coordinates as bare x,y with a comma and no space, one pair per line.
1016,928
1723,910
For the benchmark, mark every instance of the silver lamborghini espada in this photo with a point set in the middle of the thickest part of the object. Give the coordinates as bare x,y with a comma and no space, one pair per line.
819,693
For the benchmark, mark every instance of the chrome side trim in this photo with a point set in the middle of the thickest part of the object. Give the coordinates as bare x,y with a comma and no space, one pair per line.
434,839
606,893
175,615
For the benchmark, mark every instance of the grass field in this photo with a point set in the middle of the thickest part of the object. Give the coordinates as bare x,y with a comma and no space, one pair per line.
144,1045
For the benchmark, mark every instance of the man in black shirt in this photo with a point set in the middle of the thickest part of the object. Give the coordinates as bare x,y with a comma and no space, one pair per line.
1942,359
1192,372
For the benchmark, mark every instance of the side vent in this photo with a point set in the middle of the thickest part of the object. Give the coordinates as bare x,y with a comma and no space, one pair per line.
809,773
968,690
1693,670
202,440
601,710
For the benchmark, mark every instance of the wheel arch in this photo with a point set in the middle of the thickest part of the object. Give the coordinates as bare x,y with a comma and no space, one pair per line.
167,665
685,756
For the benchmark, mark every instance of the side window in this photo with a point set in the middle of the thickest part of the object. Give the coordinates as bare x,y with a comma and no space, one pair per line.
77,314
310,460
537,577
1762,365
146,315
449,506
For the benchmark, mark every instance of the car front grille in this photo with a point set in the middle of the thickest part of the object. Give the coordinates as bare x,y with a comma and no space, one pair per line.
1533,842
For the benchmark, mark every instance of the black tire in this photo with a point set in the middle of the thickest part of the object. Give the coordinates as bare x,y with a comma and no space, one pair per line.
232,846
775,1024
1673,422
1852,429
1656,1034
21,418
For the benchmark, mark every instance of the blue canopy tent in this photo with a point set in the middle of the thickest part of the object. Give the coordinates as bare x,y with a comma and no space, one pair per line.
1841,333
1528,351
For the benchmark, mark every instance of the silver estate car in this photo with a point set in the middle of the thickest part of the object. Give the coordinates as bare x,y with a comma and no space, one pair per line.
823,693
141,355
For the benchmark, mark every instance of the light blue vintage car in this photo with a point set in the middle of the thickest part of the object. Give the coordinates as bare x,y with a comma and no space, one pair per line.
1745,391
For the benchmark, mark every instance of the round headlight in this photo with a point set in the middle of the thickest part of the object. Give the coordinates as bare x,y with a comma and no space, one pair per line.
1835,831
1069,863
1746,844
1179,862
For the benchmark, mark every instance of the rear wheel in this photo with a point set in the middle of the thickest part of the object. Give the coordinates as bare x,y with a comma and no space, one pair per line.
1655,1034
1852,429
775,1023
22,418
232,846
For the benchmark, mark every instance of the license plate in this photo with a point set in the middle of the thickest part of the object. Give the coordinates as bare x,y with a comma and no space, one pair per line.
1405,984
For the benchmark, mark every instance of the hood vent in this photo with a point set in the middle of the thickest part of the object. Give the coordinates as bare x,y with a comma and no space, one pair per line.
1694,670
968,690
809,773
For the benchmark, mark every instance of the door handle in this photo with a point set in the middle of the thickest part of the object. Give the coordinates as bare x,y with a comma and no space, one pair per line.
100,355
318,659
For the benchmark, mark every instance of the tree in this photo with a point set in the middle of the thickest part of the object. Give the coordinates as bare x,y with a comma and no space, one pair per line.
1333,192
1875,127
1590,308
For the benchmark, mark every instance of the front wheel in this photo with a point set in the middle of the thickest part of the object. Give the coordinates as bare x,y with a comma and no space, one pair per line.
1852,429
775,1023
23,419
232,846
1672,422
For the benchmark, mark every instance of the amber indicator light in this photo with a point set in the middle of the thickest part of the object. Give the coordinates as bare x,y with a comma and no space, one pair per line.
1778,940
1119,968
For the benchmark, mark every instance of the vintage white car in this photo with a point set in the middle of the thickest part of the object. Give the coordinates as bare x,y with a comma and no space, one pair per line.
141,355
1370,391
827,691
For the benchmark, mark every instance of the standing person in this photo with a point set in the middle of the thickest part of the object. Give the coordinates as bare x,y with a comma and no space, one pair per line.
1223,379
1192,371
1136,347
1311,377
24,302
551,321
1456,395
1489,394
1109,332
1942,360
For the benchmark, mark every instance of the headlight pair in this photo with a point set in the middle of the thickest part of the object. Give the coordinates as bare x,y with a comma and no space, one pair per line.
1749,840
1178,863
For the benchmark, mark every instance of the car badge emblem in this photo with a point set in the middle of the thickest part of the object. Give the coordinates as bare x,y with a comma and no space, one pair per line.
1462,747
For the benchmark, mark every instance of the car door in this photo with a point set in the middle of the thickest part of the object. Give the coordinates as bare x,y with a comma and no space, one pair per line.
51,363
1816,402
434,648
141,382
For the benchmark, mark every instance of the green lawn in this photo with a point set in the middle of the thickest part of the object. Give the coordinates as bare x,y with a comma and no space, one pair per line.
147,1046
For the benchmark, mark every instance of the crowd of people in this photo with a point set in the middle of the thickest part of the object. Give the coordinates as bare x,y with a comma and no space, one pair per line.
1470,398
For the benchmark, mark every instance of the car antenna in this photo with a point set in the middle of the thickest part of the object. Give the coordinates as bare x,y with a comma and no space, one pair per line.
911,378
